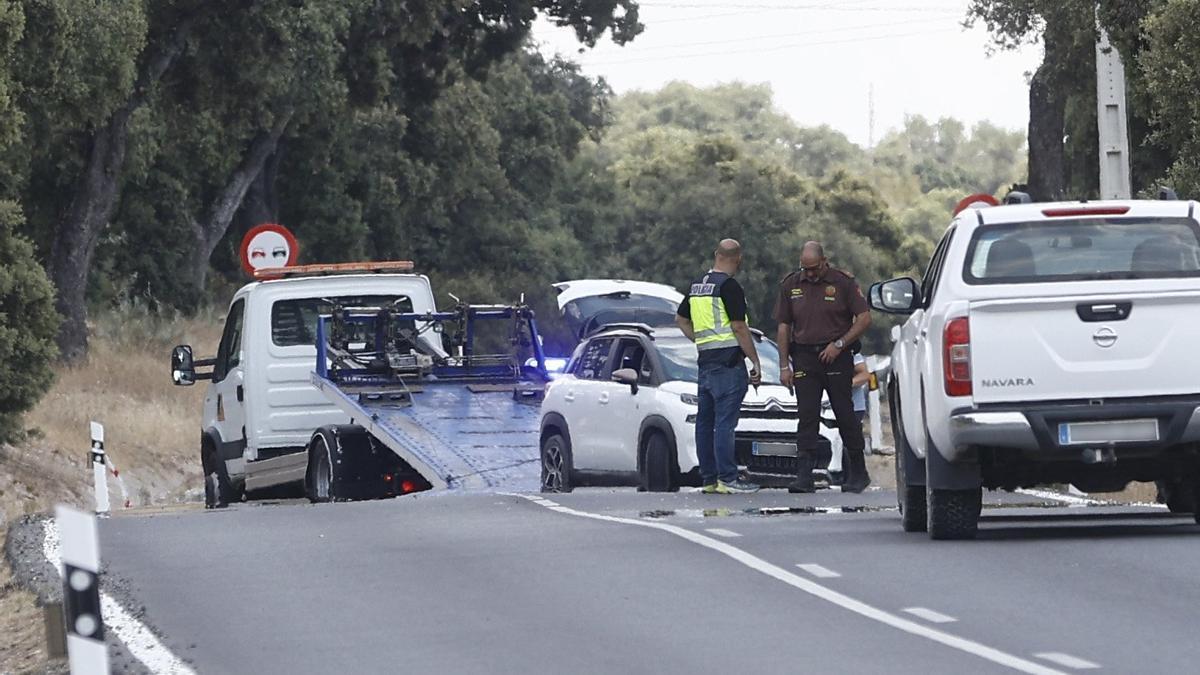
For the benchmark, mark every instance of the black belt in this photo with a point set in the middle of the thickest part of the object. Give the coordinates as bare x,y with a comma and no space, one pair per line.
810,349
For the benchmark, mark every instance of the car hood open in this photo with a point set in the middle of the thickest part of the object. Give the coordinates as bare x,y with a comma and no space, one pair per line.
588,304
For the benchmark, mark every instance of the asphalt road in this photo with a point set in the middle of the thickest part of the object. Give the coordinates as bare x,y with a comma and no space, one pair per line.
617,581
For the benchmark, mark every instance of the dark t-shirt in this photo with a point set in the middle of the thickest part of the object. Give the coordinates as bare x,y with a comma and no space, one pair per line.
820,311
734,297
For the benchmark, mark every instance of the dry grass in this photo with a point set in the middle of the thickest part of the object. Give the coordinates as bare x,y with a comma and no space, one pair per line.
150,435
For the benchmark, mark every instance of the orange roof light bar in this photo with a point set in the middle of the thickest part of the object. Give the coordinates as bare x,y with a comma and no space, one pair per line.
334,268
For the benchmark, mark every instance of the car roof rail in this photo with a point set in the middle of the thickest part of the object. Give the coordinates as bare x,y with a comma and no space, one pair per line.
642,328
1166,193
1018,197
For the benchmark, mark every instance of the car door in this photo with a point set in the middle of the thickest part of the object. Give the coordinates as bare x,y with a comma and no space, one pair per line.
915,348
620,408
585,414
227,395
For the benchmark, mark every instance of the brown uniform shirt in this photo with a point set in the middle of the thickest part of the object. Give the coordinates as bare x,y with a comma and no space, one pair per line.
820,311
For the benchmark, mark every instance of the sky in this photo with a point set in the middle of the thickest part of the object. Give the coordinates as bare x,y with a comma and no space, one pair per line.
822,58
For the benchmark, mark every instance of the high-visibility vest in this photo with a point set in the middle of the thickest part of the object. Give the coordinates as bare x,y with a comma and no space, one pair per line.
710,321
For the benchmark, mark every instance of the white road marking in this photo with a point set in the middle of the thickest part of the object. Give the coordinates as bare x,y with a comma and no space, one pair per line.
818,571
1069,500
1067,661
829,595
930,615
722,532
137,638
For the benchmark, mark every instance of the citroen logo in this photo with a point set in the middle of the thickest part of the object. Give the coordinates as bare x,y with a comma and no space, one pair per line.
773,405
1105,337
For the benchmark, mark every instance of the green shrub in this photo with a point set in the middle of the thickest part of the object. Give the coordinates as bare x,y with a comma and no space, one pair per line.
28,324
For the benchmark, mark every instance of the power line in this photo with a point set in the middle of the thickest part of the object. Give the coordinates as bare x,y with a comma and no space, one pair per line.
759,50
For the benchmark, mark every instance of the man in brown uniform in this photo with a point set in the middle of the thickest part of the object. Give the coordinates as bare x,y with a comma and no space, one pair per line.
821,313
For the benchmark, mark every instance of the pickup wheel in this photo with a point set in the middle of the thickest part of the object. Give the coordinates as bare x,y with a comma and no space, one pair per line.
911,498
1179,496
658,465
557,464
954,514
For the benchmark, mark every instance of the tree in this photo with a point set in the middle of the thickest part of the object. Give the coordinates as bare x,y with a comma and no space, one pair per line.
28,324
252,66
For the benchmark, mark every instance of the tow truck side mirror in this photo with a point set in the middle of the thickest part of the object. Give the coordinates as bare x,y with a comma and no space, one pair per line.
896,296
183,367
627,376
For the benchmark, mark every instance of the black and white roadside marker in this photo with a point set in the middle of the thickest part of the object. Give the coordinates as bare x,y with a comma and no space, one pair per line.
80,550
99,467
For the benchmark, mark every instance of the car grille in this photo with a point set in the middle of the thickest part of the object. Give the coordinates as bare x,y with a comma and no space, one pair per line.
743,451
752,414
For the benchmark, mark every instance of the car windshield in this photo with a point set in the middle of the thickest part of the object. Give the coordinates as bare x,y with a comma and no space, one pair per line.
678,356
294,322
1082,250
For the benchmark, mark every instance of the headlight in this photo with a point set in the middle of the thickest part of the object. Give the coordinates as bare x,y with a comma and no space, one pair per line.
689,399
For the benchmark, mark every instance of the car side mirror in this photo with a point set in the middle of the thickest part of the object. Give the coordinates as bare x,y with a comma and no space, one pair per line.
183,366
896,296
627,376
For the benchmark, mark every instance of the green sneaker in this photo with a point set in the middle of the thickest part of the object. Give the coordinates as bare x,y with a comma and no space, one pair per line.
736,487
710,489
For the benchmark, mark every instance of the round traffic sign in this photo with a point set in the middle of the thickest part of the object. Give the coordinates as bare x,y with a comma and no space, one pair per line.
976,201
268,246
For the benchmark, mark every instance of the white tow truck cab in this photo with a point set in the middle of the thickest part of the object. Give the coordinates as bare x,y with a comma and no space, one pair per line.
1047,343
261,408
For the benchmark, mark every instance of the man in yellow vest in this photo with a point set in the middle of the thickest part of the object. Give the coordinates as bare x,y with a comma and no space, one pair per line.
713,315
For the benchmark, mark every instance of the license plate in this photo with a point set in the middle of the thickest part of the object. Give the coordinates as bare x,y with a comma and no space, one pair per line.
764,449
1108,431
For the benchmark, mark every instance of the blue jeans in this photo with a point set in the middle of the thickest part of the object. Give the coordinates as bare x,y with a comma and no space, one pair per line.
721,392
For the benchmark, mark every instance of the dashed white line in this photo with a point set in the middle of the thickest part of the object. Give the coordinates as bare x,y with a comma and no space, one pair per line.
818,571
930,615
722,532
1067,661
827,594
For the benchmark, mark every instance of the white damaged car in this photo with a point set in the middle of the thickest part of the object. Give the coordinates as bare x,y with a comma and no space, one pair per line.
624,410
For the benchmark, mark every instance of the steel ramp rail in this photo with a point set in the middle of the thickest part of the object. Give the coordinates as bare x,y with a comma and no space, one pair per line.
457,435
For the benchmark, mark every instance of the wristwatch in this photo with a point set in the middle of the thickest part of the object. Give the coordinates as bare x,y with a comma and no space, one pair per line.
839,343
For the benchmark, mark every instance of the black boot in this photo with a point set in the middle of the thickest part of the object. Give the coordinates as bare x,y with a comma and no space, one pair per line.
854,463
804,476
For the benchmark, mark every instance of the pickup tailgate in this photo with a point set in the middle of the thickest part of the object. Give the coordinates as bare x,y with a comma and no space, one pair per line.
1083,347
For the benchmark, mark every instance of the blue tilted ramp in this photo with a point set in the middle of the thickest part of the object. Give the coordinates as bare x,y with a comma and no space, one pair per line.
457,435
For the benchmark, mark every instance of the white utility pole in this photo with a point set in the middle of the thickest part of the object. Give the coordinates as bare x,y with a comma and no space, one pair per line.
1112,120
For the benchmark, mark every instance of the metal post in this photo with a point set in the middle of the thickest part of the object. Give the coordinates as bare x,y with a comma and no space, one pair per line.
99,467
874,417
80,546
1112,120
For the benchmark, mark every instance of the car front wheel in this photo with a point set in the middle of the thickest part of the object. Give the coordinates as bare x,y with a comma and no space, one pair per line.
556,464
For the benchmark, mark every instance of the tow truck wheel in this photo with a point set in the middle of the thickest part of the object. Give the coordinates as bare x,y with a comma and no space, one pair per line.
219,490
556,464
657,465
320,479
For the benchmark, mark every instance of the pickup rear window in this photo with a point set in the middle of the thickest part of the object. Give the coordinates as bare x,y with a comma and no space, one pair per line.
1084,250
294,322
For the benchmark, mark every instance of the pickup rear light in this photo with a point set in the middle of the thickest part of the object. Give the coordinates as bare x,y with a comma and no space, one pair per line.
956,357
1085,211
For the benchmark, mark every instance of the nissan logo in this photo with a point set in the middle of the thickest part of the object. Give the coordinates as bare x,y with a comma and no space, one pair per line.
1105,337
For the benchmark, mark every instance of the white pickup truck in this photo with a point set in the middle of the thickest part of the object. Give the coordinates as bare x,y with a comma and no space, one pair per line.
261,408
1047,343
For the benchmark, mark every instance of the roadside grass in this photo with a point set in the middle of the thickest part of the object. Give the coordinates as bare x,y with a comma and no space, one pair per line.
150,435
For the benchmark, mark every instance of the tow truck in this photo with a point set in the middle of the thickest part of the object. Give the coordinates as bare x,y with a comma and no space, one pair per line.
346,380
